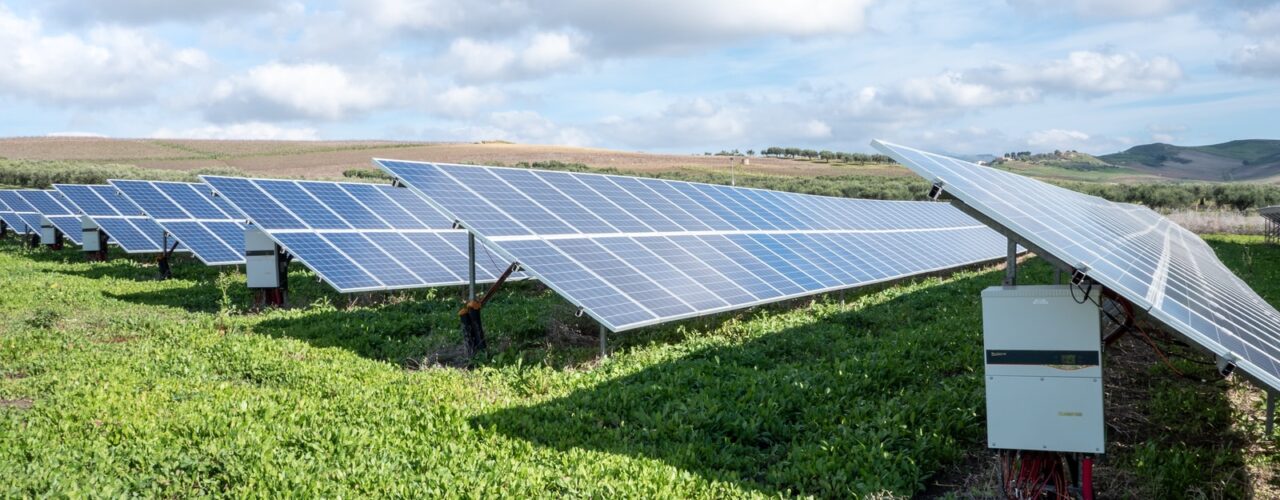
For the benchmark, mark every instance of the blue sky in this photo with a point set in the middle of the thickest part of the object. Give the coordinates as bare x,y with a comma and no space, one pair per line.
663,75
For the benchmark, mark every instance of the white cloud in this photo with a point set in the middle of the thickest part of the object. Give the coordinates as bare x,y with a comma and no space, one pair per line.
107,65
241,131
1090,73
528,127
1057,139
816,129
150,11
623,26
1258,59
1104,9
541,54
464,101
72,133
277,91
1080,74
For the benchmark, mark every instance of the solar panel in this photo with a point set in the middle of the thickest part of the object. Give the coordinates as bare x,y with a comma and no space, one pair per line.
358,237
24,219
11,219
189,212
49,205
632,252
122,220
1149,260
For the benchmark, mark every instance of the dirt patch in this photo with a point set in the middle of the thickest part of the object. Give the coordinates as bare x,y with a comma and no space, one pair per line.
115,339
327,159
15,375
20,403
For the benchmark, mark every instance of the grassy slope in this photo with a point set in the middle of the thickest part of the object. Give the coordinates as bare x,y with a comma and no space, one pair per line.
116,384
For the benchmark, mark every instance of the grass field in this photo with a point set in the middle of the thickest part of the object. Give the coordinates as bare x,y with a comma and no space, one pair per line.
115,384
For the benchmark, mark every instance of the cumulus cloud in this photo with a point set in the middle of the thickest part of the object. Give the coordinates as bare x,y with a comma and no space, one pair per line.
522,126
107,65
1104,9
1257,59
614,27
241,131
1080,74
150,11
276,91
541,54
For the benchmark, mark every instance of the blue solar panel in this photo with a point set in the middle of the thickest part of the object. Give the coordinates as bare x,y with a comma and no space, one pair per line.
634,251
186,211
357,237
1154,263
123,221
22,217
52,211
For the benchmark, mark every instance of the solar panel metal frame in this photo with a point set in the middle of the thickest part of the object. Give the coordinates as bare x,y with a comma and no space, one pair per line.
170,223
122,210
1271,223
495,243
484,274
1062,259
50,205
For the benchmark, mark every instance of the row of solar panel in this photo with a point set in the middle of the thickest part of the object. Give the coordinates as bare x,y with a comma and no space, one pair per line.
628,251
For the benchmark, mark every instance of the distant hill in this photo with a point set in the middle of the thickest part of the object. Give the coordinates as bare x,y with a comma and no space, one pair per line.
1243,160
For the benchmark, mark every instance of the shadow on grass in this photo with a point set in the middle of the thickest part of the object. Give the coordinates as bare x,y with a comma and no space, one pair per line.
867,400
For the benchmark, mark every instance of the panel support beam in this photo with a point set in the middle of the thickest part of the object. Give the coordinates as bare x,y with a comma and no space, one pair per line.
1011,264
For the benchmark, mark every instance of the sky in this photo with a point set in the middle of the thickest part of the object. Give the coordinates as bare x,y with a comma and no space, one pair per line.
683,76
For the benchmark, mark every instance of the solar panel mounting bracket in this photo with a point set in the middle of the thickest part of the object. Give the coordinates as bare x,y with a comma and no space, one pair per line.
936,190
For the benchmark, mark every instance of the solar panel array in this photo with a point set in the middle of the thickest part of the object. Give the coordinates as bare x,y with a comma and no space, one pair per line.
123,221
358,237
206,225
1151,261
52,207
24,218
633,252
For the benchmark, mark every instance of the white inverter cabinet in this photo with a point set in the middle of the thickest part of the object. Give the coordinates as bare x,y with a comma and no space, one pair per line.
1043,352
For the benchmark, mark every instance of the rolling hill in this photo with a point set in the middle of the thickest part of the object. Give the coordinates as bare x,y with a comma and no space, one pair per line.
1242,160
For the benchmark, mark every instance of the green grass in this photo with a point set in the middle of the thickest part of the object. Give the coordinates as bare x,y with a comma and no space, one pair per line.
115,384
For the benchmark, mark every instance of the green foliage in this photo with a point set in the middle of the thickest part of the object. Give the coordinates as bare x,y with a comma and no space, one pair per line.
366,173
169,389
42,174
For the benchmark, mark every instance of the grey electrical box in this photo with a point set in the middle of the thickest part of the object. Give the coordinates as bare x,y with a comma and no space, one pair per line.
1043,369
48,232
89,234
261,263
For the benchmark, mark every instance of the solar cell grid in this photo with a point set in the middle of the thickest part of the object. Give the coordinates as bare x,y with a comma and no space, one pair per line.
634,251
357,237
123,221
186,211
51,209
1151,261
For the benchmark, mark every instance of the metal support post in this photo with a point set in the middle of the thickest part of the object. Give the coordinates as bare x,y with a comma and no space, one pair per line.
1271,413
471,267
604,342
1011,264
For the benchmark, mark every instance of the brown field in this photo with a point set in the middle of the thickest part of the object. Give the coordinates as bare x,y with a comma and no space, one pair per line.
326,159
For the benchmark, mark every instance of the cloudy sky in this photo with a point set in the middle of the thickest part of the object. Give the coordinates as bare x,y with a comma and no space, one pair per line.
961,76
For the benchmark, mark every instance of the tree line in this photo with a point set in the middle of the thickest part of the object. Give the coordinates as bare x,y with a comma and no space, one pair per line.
826,155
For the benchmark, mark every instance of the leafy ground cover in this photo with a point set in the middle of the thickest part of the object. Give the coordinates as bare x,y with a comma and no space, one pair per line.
115,384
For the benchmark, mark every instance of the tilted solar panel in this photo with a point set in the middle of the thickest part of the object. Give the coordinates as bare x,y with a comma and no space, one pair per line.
11,219
633,252
122,220
25,218
189,212
1149,260
358,237
50,205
